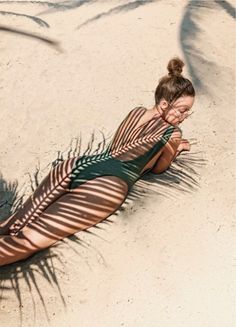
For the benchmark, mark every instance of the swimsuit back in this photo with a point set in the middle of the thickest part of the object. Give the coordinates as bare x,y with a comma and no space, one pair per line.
129,151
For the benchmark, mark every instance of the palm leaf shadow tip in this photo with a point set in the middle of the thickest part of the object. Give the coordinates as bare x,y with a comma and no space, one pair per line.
75,148
10,198
47,41
230,10
29,270
63,6
191,32
25,2
182,177
116,10
35,19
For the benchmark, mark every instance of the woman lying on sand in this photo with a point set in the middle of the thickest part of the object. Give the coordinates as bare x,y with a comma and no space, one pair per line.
82,191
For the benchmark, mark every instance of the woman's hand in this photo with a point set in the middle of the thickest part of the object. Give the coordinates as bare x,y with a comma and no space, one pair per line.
183,146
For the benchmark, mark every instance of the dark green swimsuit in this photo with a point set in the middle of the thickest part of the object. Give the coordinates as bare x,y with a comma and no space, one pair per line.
125,157
128,153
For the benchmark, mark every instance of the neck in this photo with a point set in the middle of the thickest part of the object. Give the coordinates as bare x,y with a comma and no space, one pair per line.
158,110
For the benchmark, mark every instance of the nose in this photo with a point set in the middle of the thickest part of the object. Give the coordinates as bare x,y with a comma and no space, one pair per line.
177,113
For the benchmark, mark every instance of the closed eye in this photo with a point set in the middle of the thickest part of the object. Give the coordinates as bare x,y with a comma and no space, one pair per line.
183,110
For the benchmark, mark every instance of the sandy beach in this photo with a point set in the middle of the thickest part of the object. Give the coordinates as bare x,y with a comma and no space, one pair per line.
168,256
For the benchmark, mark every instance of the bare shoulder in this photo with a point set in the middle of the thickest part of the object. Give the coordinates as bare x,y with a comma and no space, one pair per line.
138,109
135,112
176,135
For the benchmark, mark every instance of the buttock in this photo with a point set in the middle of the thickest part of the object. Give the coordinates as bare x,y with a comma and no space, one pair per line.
93,167
76,210
105,184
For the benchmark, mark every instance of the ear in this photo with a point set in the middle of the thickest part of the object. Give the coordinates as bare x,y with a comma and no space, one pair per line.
163,104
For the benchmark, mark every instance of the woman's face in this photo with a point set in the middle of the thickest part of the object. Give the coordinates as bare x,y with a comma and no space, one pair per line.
178,111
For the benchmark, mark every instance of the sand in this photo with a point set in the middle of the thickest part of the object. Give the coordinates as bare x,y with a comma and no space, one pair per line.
168,257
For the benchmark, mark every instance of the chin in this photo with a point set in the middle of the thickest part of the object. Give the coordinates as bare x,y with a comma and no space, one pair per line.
174,123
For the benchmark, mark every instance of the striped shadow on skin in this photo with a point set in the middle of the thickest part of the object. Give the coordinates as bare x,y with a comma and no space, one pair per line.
181,177
45,263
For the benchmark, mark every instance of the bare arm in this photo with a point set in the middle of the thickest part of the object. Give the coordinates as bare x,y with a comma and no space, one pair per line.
171,150
169,153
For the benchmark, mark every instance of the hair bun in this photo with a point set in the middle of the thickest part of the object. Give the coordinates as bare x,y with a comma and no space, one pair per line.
175,67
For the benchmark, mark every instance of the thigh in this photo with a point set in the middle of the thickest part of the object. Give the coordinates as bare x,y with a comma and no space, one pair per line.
49,190
76,210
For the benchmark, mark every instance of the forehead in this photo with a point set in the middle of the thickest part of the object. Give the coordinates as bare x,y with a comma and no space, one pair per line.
185,100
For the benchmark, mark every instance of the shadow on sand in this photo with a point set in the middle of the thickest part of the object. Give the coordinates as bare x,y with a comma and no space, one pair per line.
181,177
40,38
191,33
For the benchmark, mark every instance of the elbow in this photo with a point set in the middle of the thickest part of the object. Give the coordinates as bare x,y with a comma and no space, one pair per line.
159,170
161,165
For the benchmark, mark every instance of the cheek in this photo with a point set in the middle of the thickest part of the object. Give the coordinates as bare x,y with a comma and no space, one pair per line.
170,117
173,119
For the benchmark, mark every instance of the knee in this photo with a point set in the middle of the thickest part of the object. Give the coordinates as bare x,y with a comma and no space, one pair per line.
13,249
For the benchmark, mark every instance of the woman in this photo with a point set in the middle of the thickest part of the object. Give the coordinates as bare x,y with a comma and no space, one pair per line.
82,191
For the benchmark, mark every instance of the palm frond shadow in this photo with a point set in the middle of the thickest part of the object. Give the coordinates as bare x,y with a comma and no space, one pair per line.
46,262
10,198
181,177
51,6
40,38
191,30
116,10
230,10
64,6
29,271
35,19
28,2
54,7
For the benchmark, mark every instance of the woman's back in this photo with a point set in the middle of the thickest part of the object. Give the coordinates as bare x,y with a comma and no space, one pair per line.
130,152
137,134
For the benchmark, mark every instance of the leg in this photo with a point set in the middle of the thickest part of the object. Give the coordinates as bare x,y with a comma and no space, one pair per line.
74,211
50,189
